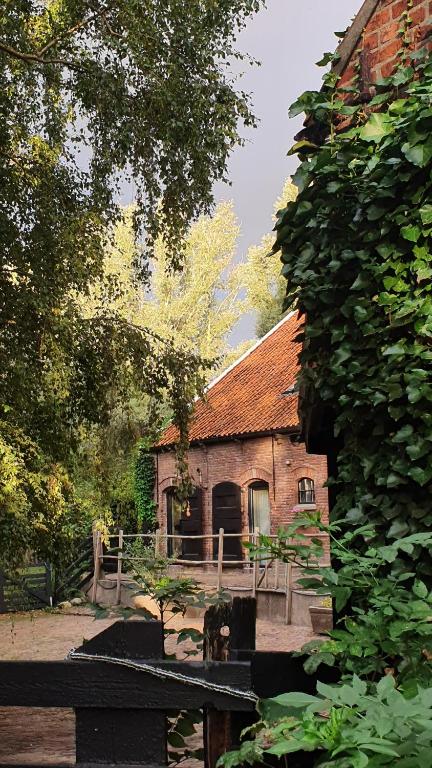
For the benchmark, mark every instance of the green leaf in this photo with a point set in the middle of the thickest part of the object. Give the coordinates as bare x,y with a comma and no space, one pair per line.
426,214
377,127
419,154
386,686
285,747
302,147
296,700
175,739
420,589
411,232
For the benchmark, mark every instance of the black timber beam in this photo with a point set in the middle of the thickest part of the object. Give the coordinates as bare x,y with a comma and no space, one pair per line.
97,684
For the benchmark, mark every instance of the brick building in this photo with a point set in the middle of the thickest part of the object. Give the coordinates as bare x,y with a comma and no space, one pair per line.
245,458
381,34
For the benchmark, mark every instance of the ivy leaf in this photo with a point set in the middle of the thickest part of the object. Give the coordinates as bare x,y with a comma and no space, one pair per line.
419,154
377,127
328,58
411,232
426,214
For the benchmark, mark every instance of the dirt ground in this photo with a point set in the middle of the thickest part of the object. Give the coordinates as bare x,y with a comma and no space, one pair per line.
45,736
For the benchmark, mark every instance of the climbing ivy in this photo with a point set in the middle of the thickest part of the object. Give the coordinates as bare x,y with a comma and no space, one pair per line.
145,477
356,249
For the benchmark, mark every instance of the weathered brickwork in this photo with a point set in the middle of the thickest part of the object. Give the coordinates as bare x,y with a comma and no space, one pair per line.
380,47
277,460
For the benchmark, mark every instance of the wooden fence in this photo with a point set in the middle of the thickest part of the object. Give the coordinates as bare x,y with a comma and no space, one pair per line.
121,688
264,572
31,588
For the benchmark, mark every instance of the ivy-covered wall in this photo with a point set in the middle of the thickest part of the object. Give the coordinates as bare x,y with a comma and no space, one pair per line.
356,248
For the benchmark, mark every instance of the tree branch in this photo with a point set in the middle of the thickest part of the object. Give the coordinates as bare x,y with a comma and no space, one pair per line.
71,31
39,56
34,57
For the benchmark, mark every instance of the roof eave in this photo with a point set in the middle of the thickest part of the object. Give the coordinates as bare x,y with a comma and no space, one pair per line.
230,438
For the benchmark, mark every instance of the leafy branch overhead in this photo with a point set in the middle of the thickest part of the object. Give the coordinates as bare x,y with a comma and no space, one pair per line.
94,96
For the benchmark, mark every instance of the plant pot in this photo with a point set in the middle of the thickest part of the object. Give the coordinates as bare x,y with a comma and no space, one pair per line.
321,618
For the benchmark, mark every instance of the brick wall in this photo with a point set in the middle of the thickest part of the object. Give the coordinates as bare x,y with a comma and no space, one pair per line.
278,461
379,49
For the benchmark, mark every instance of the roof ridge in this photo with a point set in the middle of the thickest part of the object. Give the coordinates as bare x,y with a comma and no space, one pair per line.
249,351
353,34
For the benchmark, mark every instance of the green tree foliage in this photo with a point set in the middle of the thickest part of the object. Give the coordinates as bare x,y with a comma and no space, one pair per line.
192,311
262,276
198,307
356,248
91,95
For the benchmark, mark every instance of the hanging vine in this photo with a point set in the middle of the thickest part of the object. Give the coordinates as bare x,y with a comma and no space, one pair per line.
144,483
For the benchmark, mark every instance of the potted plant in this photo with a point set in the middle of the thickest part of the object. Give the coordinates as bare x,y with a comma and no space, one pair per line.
322,616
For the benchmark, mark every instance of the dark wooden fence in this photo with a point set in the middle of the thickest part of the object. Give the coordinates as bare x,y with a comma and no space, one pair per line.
28,590
121,688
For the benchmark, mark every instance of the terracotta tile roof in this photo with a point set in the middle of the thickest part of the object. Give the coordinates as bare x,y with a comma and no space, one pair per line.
247,398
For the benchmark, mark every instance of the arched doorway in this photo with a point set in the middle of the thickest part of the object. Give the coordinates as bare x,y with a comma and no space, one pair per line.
186,521
259,507
226,506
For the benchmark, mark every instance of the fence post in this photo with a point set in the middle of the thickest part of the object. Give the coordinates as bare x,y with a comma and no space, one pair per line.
288,596
220,559
119,568
240,618
2,596
255,564
157,542
96,566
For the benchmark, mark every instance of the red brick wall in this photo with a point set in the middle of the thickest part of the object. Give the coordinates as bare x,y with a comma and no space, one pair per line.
379,50
278,461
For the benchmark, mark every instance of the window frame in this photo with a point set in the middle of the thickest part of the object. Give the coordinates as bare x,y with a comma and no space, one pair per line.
306,495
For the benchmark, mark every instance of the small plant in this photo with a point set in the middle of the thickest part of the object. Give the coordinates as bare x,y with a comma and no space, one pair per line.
387,620
172,597
353,725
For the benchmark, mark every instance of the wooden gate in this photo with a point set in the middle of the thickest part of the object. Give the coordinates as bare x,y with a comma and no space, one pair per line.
121,689
30,589
226,505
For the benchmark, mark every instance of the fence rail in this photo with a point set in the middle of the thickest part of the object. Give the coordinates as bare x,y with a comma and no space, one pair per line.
266,573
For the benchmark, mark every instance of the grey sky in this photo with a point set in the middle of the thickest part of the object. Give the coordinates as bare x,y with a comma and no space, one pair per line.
288,38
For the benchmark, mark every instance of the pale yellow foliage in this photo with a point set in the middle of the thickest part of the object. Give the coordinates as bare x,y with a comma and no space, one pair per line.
195,308
261,273
200,305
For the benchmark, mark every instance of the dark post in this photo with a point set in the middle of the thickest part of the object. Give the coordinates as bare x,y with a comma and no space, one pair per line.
107,737
239,620
2,595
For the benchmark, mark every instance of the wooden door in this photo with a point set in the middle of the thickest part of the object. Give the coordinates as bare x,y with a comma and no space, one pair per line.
191,525
227,515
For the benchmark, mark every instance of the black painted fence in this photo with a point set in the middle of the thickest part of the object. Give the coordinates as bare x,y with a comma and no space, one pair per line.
30,589
121,711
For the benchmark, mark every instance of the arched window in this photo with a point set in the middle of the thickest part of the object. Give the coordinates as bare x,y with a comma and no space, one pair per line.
306,491
259,507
